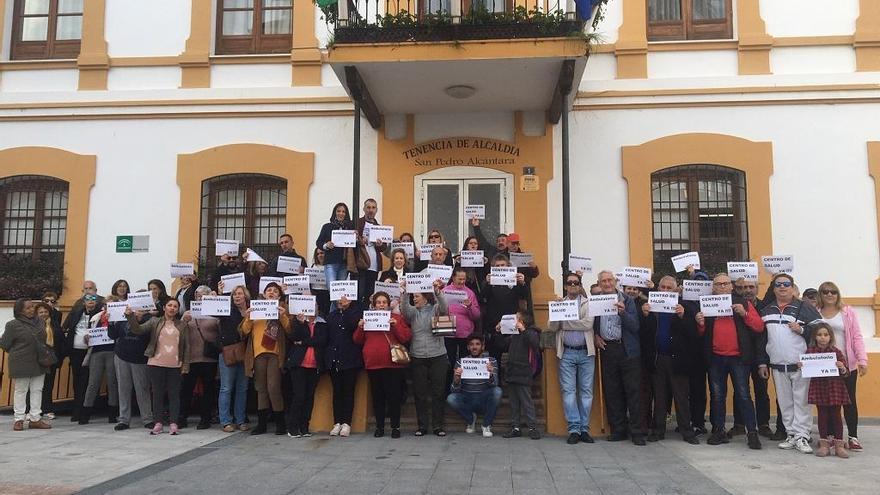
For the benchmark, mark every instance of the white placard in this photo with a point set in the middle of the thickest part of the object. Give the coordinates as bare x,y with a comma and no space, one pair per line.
419,282
98,336
377,321
565,310
742,269
408,247
231,281
508,325
474,368
635,276
380,233
439,272
251,255
455,296
602,305
116,310
343,238
583,264
305,305
344,288
693,289
297,284
289,264
425,251
216,305
264,309
182,269
195,310
392,288
475,211
503,275
682,261
778,264
226,246
141,301
317,277
662,302
719,305
814,365
472,259
521,260
264,281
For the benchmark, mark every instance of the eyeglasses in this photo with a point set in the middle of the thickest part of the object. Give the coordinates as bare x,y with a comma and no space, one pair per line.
829,292
573,283
721,284
780,285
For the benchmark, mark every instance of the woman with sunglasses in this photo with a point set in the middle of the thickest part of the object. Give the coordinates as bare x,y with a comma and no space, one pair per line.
445,258
848,335
76,327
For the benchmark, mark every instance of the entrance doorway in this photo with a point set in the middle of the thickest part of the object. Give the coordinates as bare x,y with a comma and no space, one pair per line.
441,197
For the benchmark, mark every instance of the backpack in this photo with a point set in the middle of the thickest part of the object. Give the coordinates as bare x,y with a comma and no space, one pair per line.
536,362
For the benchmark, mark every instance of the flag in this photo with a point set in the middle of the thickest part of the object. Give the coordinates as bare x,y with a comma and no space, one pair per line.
585,8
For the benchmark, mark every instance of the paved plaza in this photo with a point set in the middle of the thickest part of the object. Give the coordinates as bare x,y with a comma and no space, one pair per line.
96,459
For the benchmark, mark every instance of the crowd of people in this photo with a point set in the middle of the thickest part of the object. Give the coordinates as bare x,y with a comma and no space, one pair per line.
459,343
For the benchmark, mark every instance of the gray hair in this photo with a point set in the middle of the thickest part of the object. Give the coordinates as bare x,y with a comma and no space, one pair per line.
203,290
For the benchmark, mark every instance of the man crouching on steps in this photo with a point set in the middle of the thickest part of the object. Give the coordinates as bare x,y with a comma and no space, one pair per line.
476,395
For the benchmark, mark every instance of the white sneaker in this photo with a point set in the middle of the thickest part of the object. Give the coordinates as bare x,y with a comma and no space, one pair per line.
487,431
788,444
802,445
345,430
49,415
471,427
336,429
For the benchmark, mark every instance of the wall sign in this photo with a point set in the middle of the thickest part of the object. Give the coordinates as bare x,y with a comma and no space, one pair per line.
132,243
475,152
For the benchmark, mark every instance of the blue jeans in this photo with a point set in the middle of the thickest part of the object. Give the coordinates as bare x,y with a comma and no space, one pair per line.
334,272
576,371
232,381
719,369
469,403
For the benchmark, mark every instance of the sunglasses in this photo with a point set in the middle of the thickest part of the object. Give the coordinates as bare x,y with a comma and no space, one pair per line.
573,283
829,292
781,284
90,298
49,301
433,236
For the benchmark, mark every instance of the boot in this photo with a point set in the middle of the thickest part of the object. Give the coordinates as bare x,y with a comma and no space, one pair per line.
262,421
85,414
840,449
113,414
278,416
824,448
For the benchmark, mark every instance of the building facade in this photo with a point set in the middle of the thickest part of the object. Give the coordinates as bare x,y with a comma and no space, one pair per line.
737,128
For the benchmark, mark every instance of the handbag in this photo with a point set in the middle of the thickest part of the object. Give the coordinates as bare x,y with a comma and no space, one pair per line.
443,326
399,354
45,356
209,349
233,353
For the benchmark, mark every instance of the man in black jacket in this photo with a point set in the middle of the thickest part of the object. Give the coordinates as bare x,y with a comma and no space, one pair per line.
668,350
287,249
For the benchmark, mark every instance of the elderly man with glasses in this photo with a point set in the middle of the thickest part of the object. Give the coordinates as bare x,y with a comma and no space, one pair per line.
789,324
576,350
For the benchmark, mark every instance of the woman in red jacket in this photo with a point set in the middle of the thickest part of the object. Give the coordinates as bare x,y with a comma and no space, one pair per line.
386,377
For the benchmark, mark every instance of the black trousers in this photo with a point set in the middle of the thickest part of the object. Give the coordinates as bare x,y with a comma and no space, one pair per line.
620,383
386,386
303,382
366,285
162,381
429,385
850,411
669,385
48,405
80,378
207,372
344,382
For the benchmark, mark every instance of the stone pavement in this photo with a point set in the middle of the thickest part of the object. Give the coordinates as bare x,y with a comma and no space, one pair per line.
95,459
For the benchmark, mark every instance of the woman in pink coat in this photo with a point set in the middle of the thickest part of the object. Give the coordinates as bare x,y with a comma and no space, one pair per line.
848,335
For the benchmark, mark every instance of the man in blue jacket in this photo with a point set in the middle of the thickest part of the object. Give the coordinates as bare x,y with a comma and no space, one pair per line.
618,342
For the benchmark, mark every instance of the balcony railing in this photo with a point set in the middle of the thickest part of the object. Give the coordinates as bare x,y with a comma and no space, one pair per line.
382,21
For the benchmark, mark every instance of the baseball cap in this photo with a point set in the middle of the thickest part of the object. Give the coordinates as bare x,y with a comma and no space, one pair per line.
513,237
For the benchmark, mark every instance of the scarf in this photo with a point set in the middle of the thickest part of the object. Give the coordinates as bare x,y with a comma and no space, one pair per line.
270,336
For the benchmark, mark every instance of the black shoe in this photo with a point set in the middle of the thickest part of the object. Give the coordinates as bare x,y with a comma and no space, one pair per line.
182,423
120,426
717,438
85,415
150,425
203,425
736,430
278,419
379,433
534,434
653,437
513,433
395,432
692,439
753,441
700,430
765,431
262,422
617,437
779,436
573,438
638,440
586,438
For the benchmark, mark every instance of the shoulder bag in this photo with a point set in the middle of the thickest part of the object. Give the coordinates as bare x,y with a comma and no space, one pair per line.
399,354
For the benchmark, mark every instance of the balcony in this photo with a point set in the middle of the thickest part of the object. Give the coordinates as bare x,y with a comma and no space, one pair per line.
452,56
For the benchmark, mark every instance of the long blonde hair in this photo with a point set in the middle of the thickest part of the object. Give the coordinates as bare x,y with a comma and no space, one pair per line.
830,286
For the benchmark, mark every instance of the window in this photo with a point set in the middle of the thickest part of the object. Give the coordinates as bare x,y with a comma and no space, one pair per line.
250,208
699,208
690,20
33,227
254,26
46,29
